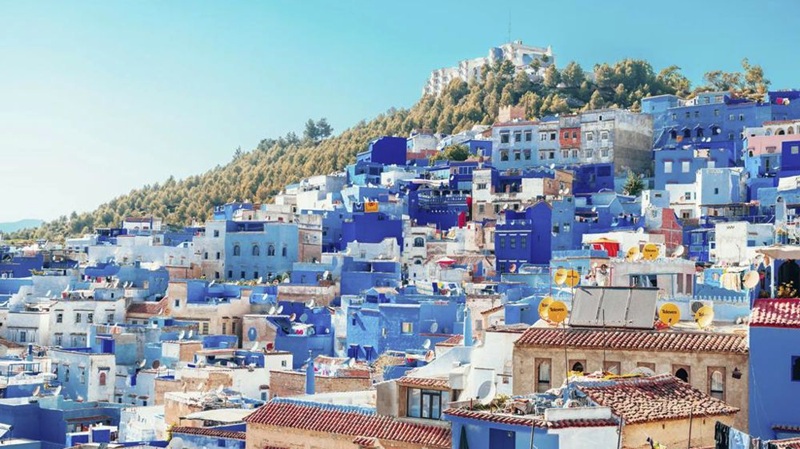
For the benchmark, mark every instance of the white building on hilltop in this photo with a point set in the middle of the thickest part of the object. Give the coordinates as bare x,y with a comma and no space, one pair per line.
521,56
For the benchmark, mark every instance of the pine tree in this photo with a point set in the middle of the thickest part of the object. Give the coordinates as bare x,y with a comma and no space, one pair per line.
633,185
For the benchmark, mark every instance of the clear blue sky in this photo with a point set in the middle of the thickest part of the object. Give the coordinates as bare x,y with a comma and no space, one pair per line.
100,97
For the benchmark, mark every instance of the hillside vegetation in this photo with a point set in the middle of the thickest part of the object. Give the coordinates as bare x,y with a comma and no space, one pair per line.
260,173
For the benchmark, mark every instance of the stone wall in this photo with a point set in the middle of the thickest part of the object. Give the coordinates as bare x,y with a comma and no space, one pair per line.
293,383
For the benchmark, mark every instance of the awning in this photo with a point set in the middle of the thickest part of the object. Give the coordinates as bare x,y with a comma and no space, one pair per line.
781,252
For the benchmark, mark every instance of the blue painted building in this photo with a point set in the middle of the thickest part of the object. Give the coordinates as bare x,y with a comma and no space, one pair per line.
680,164
301,330
361,275
524,237
386,150
444,208
774,374
371,228
790,159
378,322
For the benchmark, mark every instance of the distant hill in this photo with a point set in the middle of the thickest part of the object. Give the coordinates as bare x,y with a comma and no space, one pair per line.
15,226
259,174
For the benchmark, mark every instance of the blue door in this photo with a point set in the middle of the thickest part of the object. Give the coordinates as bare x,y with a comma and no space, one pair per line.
502,439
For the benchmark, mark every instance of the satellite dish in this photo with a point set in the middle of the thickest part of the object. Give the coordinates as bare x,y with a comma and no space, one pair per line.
220,388
485,392
260,280
697,305
311,303
212,283
271,310
669,314
566,191
292,317
544,307
557,312
255,346
632,254
640,231
679,251
594,209
704,316
552,166
280,310
650,251
643,371
434,328
142,363
49,292
573,278
512,268
560,276
191,332
303,318
751,279
37,390
201,386
426,344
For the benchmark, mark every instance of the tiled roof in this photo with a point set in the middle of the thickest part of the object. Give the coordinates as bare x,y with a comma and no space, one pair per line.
365,442
455,340
493,310
209,432
347,420
776,313
424,382
657,398
636,340
10,344
525,420
785,428
788,443
148,308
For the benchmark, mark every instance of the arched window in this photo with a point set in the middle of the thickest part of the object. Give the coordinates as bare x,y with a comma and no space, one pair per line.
790,130
687,133
271,250
699,132
237,250
419,242
717,385
543,377
780,132
284,251
102,379
682,375
256,250
577,367
673,134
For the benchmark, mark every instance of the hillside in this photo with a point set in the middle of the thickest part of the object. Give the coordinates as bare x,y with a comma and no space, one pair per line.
13,226
260,173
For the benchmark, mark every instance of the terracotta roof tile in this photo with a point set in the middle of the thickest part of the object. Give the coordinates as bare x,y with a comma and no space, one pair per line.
148,308
527,420
493,310
636,340
657,398
365,442
347,420
776,313
424,382
788,443
455,340
209,432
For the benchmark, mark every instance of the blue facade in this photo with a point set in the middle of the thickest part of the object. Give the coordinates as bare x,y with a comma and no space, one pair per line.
196,441
359,276
441,207
679,165
525,237
259,249
790,159
301,331
774,381
386,150
484,434
371,228
592,178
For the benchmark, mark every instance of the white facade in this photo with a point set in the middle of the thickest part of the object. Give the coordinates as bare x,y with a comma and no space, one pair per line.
737,241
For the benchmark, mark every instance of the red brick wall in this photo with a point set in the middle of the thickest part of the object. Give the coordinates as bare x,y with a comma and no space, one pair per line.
293,383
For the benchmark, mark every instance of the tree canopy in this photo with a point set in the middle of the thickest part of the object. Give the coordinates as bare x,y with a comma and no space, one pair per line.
258,174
